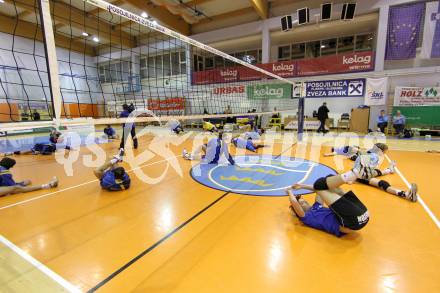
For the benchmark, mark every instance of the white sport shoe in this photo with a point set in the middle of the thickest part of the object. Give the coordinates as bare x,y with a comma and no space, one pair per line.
186,155
411,194
54,182
392,167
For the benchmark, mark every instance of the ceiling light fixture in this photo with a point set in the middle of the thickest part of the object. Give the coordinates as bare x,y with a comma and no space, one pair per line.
95,39
144,14
83,33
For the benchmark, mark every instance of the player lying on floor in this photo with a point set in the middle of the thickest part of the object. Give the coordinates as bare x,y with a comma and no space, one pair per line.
247,144
344,213
208,126
175,126
367,162
112,176
9,186
110,132
43,148
213,150
255,134
350,152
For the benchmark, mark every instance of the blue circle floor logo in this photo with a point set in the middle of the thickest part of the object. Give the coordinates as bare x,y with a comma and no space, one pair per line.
260,175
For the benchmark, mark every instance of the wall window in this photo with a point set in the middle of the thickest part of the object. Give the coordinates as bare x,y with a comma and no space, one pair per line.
168,64
114,72
345,44
364,42
328,47
298,51
284,53
313,49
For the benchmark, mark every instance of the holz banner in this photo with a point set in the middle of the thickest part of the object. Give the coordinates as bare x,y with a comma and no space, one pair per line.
269,91
416,96
377,91
336,88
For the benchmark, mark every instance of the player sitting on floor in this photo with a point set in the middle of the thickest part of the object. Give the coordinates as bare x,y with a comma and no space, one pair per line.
208,126
175,126
110,132
247,144
111,176
213,150
351,152
344,213
8,184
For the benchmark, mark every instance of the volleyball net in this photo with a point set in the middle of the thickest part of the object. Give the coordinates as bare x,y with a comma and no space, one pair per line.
107,57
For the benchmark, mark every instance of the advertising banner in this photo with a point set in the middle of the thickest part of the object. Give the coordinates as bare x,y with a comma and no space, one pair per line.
336,88
269,91
168,104
416,96
341,63
377,91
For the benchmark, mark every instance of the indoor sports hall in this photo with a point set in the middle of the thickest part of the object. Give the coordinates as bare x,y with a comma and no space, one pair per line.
219,146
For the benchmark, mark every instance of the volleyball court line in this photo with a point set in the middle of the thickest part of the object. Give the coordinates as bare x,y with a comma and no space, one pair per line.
419,198
79,185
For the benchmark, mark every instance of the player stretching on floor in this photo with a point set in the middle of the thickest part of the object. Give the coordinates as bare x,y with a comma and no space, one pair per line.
208,126
345,212
111,176
214,149
8,184
175,126
110,132
247,144
44,148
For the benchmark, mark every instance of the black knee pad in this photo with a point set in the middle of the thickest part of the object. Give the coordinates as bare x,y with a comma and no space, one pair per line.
383,184
321,184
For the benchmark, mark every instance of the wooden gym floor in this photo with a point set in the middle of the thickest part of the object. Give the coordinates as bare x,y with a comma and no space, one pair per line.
180,236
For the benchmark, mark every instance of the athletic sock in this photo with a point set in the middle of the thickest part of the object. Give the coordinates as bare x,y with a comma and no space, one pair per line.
349,177
401,193
386,171
45,186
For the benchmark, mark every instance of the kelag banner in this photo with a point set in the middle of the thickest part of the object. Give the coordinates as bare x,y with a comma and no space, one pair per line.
352,62
336,88
343,63
269,91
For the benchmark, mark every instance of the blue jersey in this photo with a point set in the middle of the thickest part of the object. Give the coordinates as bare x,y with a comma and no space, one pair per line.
6,178
399,120
382,119
44,148
322,218
126,114
244,144
173,124
215,149
109,131
342,150
109,182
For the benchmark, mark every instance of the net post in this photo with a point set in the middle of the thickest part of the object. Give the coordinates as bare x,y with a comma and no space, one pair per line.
300,95
51,58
